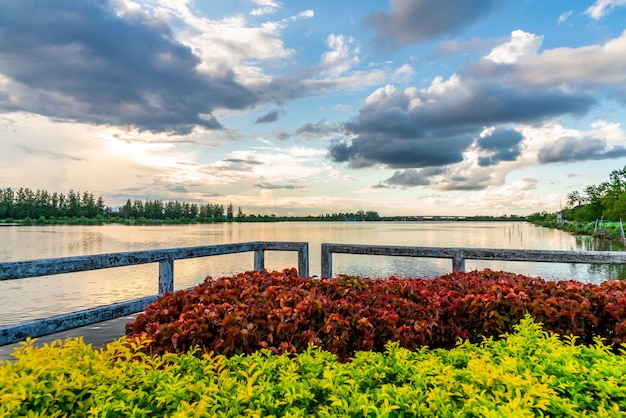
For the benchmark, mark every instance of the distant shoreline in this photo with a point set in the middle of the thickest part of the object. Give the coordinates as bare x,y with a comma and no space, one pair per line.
265,219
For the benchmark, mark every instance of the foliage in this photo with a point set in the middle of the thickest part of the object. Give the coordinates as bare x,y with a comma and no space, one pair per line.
286,313
26,203
604,201
527,373
158,210
29,207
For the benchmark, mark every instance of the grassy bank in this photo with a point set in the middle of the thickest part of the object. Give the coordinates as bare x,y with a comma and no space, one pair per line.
602,229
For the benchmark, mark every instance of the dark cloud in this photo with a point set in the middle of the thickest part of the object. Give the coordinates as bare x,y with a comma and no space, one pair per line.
370,149
502,144
499,139
271,116
157,190
435,177
463,183
282,135
487,161
411,21
340,151
270,186
489,102
293,85
416,129
568,149
177,188
318,129
238,164
80,60
241,161
413,177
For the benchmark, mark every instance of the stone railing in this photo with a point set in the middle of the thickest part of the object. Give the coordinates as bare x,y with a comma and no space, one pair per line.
165,258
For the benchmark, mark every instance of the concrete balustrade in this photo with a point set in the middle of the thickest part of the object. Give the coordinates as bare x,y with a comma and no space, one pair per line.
166,257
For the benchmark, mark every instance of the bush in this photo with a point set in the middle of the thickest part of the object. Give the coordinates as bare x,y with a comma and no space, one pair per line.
286,313
527,373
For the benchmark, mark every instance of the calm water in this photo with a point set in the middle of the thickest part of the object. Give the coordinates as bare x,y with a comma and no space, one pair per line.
27,299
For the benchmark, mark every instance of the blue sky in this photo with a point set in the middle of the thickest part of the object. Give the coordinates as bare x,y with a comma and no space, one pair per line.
405,107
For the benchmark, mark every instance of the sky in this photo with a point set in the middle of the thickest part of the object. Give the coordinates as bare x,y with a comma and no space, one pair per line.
404,107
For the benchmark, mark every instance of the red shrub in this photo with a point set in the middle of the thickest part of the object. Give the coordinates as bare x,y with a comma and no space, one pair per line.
286,313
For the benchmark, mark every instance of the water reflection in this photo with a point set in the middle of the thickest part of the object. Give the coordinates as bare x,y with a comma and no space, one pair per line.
40,297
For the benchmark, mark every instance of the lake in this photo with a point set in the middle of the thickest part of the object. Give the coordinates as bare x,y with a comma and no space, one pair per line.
27,299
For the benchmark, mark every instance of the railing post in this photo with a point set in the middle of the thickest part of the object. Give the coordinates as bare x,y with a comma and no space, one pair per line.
327,262
259,260
166,275
458,262
303,260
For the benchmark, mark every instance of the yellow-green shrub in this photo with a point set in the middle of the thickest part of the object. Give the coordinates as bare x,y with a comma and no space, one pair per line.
527,373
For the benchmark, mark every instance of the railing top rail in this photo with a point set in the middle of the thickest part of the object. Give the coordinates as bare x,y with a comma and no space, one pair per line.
559,256
51,266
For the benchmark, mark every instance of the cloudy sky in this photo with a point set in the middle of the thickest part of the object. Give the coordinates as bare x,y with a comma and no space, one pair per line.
405,107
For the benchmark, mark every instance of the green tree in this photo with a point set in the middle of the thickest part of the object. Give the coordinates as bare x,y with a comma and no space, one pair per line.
74,204
6,203
138,209
614,195
126,211
88,205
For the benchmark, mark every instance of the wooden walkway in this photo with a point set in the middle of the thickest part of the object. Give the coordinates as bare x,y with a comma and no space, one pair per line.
98,334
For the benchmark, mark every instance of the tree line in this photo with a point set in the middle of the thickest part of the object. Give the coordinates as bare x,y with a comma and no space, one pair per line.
25,203
158,210
42,206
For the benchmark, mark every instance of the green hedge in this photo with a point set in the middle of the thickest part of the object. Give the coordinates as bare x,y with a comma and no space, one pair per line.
527,373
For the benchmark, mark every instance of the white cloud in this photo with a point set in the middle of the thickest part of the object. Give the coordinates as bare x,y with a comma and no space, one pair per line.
404,71
355,80
224,45
307,14
381,94
601,7
267,3
341,108
263,11
231,44
343,55
612,132
599,65
564,17
268,165
440,87
520,44
499,199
